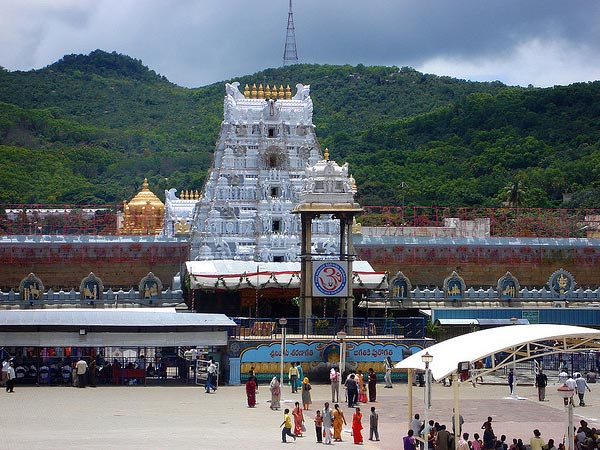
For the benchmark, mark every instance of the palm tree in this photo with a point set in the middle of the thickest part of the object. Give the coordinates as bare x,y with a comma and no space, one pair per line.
514,194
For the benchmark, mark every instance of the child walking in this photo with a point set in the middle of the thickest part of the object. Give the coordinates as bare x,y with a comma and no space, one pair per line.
319,426
287,426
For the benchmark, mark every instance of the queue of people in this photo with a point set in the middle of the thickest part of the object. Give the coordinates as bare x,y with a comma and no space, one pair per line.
438,437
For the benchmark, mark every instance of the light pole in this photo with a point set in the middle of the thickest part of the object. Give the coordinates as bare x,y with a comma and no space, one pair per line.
427,358
341,336
514,394
282,324
567,394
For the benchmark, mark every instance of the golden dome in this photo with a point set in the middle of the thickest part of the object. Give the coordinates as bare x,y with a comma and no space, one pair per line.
145,197
144,213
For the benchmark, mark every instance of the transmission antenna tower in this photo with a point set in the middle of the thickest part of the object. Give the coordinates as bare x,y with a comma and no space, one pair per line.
290,54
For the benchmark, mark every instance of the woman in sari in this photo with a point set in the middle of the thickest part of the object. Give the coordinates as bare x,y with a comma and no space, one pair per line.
338,421
275,389
357,427
251,392
362,389
306,400
298,419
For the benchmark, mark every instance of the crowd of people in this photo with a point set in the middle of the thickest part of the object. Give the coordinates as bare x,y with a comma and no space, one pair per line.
329,421
77,371
438,437
328,424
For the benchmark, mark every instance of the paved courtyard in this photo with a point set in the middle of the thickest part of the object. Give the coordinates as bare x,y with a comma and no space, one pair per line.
139,417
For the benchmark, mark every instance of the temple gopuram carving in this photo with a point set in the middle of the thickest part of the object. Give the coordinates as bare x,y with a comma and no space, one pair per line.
266,142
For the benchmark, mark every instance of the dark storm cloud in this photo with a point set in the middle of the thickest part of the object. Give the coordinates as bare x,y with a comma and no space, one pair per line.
198,42
418,30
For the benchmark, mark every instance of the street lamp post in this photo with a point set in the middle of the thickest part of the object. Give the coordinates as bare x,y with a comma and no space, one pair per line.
567,394
341,336
427,358
282,323
514,394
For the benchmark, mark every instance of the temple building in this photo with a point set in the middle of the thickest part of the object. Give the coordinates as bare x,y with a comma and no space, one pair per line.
266,142
143,215
179,212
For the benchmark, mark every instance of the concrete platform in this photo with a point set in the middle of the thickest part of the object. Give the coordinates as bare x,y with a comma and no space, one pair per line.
141,417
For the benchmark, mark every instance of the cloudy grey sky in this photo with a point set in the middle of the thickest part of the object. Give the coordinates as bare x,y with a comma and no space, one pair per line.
198,42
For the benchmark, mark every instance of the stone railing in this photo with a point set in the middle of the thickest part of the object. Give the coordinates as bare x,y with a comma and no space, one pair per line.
108,298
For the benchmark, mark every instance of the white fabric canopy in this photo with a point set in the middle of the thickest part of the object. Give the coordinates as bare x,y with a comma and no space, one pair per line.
233,275
480,344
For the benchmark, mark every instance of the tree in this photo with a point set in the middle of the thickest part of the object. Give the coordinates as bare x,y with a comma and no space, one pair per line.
514,194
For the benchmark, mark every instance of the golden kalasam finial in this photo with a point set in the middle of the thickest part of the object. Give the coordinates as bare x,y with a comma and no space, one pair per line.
261,93
288,92
274,92
268,92
326,155
281,91
253,93
247,91
196,195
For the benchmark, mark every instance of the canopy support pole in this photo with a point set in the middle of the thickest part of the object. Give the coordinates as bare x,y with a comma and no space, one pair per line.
456,423
410,395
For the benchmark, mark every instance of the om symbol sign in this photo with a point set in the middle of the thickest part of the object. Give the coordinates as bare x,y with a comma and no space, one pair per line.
330,278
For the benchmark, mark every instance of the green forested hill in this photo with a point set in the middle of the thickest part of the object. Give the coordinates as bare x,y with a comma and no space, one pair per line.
89,128
542,142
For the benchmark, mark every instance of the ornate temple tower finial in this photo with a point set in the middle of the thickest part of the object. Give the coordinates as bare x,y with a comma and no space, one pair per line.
288,92
326,154
254,93
247,91
268,92
261,93
281,91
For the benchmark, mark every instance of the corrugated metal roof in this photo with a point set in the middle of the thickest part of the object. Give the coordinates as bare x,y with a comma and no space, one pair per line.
558,316
134,317
483,322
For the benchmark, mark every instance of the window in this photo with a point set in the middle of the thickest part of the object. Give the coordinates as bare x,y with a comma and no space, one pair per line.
277,258
276,225
271,132
274,192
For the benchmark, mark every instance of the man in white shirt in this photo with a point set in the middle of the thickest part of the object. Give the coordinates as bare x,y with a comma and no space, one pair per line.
10,379
327,423
571,385
581,386
81,369
211,377
463,442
